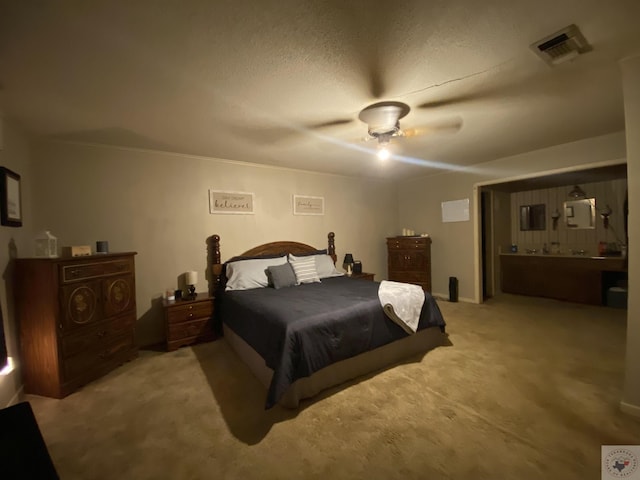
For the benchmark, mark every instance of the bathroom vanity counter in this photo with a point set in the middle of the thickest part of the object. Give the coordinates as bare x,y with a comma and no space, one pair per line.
574,278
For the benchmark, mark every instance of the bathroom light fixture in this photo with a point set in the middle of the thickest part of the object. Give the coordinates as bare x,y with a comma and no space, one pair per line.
577,192
605,214
555,216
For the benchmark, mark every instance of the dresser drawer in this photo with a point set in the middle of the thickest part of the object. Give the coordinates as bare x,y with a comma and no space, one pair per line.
83,271
408,242
98,336
115,350
408,277
195,328
189,311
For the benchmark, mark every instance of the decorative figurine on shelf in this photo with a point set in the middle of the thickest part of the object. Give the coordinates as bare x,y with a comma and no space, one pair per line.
191,280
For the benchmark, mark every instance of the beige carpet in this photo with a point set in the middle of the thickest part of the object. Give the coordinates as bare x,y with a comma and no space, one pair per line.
528,389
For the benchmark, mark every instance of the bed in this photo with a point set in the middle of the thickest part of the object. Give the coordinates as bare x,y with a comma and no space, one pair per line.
301,338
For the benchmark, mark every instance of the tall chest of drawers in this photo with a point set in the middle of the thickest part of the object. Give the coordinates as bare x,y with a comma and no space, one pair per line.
76,318
409,260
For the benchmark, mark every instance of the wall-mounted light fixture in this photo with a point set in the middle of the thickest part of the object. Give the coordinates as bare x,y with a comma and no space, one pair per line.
577,192
605,214
555,216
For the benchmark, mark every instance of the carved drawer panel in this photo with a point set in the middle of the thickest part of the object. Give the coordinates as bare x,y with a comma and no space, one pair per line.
118,295
80,305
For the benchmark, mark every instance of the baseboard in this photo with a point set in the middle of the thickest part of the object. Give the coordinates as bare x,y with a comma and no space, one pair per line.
445,297
17,397
630,409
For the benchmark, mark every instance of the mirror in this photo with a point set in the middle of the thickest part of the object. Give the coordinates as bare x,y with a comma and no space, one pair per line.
580,213
532,217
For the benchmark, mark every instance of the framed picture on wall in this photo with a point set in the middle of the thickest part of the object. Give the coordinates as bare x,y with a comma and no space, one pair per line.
10,203
306,205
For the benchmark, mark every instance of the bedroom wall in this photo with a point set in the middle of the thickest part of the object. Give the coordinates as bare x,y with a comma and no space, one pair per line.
14,154
631,87
453,247
157,205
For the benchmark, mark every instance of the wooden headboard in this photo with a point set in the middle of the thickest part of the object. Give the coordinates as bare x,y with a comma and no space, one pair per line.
273,248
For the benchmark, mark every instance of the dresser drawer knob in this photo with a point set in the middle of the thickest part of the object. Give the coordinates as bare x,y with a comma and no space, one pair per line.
102,334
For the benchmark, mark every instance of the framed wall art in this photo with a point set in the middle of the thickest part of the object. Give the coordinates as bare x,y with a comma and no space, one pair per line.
10,204
235,203
306,205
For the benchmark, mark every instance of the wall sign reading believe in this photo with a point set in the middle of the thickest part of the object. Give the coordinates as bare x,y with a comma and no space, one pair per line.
230,202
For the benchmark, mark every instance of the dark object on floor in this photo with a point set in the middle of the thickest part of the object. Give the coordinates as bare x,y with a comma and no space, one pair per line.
617,297
453,289
23,453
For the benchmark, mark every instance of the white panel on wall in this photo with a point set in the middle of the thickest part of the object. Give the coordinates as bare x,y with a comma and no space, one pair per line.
455,211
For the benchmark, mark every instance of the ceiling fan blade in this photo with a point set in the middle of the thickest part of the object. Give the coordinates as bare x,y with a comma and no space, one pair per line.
450,101
275,134
450,126
375,77
330,123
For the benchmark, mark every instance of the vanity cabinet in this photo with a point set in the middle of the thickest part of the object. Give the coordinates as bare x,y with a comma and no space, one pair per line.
570,278
409,260
76,319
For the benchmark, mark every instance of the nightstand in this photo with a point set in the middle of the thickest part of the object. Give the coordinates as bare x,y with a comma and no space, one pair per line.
189,321
363,276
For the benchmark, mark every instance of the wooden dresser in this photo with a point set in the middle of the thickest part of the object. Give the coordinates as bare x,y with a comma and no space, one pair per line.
409,260
189,321
77,319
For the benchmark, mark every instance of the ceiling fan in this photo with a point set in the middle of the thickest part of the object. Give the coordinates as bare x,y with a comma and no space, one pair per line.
383,124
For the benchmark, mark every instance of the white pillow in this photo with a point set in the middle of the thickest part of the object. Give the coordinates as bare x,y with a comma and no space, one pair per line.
246,274
324,265
305,270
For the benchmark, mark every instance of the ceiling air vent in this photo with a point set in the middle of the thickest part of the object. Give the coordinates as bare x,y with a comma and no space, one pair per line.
561,46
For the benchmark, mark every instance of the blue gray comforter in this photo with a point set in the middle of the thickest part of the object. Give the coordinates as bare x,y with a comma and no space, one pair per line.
299,330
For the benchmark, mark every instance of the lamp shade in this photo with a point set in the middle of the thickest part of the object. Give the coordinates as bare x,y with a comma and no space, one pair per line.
191,278
348,258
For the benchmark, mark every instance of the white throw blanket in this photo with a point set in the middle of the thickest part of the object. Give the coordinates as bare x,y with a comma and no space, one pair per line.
402,302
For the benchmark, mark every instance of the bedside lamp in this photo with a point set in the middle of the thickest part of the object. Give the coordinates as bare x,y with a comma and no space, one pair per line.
348,263
191,280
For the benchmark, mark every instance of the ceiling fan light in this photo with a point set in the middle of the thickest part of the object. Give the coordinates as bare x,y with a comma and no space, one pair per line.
383,153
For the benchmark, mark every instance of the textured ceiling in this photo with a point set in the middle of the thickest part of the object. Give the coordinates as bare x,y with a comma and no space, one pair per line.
256,81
